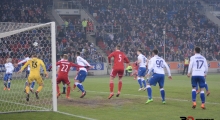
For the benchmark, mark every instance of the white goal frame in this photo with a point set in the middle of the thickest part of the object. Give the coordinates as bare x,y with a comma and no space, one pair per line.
53,59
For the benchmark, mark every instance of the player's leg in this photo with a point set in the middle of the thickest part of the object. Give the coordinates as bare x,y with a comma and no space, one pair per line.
80,78
120,75
152,81
66,81
9,81
27,88
32,86
197,89
64,88
194,84
201,81
111,83
40,87
161,85
58,89
139,78
207,88
5,81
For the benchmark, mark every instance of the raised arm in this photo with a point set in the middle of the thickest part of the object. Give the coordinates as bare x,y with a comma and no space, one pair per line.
25,65
23,61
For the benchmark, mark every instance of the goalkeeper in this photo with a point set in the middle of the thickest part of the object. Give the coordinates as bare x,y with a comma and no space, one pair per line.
35,64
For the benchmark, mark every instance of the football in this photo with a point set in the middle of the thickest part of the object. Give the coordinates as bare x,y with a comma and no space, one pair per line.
35,44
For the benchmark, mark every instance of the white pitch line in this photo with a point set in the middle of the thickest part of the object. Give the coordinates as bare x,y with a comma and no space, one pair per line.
23,104
86,118
174,99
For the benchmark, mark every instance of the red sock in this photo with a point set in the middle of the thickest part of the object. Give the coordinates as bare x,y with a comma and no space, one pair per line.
111,87
119,86
68,91
74,86
58,89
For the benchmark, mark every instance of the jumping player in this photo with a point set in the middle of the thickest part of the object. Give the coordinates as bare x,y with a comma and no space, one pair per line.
35,65
118,69
8,74
157,64
64,69
199,66
142,60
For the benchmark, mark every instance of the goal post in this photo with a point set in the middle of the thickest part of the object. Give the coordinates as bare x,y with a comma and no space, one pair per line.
16,41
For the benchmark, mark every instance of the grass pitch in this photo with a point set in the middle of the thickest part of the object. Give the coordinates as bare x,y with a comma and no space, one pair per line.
129,106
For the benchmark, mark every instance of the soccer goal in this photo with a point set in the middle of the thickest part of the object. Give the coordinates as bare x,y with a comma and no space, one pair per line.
17,41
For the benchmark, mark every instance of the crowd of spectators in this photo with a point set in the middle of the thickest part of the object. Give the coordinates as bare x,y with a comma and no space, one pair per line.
143,25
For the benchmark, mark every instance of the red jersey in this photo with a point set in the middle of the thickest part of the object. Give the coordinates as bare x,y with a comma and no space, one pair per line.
65,67
119,59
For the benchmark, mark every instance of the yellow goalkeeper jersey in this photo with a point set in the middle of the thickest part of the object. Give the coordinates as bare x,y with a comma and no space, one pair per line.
35,65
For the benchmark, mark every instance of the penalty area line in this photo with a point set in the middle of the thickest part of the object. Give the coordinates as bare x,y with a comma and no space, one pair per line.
174,99
78,116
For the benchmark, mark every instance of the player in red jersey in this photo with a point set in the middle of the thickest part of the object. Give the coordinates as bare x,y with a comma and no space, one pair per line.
135,70
118,69
64,69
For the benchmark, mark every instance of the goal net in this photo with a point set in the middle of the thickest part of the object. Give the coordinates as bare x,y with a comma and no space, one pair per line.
16,41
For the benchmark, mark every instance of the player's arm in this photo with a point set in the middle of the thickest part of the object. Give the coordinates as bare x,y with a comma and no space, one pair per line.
151,67
139,60
23,61
44,68
75,65
12,67
206,67
168,69
25,65
190,66
85,62
109,58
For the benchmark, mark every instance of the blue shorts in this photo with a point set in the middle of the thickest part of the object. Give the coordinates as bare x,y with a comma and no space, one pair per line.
142,71
157,78
27,72
8,77
81,76
200,80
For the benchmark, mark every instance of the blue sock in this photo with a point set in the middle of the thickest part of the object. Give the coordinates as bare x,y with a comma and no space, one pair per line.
202,96
64,88
80,86
162,92
32,84
193,95
5,84
144,82
197,87
149,92
206,87
9,84
140,83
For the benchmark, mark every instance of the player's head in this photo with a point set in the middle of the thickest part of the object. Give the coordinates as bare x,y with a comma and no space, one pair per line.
155,52
9,60
78,53
65,56
139,52
118,47
197,50
34,54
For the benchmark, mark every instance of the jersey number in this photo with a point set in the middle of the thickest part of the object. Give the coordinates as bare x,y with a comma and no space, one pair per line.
199,63
119,56
64,68
159,63
34,64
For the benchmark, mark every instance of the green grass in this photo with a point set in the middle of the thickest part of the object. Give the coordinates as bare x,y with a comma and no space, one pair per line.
129,106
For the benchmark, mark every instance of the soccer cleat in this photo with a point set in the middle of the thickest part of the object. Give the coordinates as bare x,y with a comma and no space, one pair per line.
63,92
207,93
9,89
203,106
36,94
164,102
144,88
118,94
68,97
194,105
58,95
140,89
27,97
83,94
149,100
5,88
110,96
197,92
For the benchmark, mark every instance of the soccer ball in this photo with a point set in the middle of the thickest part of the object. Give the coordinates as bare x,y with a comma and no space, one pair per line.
35,44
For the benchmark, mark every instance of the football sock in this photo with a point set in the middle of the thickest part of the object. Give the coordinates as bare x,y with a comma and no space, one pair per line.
202,96
206,87
197,87
79,85
58,89
144,82
27,89
140,82
32,84
162,92
39,88
111,85
5,84
64,88
68,91
9,84
149,92
119,86
193,95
